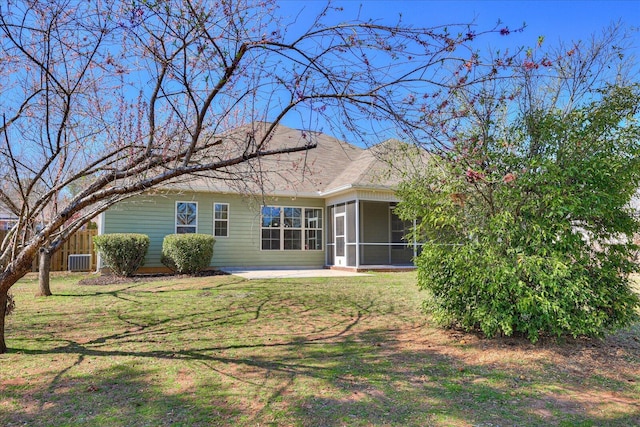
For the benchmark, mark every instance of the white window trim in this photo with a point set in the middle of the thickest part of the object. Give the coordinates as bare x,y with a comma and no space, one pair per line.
319,229
302,229
228,220
175,215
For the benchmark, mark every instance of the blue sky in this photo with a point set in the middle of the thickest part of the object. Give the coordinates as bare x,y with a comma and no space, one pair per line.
566,20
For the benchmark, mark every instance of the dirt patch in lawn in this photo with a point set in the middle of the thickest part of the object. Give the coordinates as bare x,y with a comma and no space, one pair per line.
112,279
579,377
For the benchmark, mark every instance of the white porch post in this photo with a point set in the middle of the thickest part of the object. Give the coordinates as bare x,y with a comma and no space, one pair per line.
357,232
415,242
325,232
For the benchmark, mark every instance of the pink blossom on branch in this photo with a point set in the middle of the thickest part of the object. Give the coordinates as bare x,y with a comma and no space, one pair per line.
117,97
473,176
509,178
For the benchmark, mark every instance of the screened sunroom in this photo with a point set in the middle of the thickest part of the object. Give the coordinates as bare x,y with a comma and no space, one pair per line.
365,233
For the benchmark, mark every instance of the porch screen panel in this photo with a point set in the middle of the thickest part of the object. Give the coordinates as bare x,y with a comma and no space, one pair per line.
340,240
374,233
402,255
351,222
351,255
401,252
351,234
329,224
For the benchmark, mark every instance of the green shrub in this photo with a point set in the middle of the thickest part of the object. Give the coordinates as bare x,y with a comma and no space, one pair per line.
123,252
480,286
534,242
187,253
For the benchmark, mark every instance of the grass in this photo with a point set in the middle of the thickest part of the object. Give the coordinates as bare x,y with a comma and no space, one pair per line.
222,351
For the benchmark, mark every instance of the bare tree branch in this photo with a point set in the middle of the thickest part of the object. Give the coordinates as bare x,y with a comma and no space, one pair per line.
102,101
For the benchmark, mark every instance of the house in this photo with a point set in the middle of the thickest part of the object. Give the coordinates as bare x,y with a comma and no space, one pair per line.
331,206
7,219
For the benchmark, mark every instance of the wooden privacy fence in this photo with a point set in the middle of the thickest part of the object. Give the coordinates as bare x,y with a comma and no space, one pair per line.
80,243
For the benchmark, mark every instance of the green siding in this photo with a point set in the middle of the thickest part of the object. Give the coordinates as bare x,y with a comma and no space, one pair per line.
154,215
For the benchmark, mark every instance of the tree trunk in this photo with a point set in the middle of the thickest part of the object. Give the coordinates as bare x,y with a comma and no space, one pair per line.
44,272
9,276
3,312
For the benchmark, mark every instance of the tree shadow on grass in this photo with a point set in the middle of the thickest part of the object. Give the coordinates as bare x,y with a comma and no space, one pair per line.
366,378
122,395
388,377
367,364
380,379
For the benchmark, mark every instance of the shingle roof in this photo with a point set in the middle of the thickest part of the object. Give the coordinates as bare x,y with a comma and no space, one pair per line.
332,165
381,166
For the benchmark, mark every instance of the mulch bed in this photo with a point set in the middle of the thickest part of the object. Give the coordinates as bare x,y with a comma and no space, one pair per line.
112,279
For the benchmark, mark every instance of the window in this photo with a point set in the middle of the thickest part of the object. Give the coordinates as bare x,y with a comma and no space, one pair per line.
271,228
292,228
186,217
7,224
313,229
221,219
289,228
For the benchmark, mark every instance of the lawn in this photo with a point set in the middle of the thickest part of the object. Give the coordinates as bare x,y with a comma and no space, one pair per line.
223,351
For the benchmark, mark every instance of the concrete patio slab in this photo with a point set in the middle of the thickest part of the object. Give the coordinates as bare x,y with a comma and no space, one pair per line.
252,274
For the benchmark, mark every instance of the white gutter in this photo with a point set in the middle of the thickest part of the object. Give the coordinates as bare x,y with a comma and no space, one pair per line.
348,187
336,190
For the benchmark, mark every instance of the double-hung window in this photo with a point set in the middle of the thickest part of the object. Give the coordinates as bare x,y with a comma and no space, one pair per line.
313,229
290,228
186,217
271,227
221,219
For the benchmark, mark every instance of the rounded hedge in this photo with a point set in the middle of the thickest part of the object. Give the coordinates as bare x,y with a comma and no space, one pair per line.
187,253
123,253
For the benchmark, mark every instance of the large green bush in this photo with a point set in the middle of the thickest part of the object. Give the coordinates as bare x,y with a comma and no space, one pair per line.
187,253
124,253
530,231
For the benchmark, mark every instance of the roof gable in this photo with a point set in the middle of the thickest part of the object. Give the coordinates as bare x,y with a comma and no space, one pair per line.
381,166
333,164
